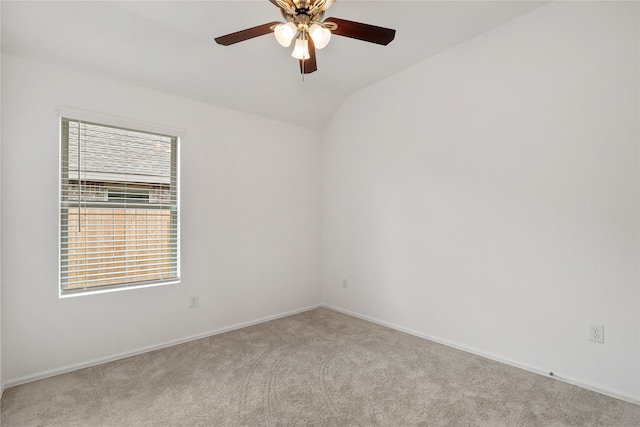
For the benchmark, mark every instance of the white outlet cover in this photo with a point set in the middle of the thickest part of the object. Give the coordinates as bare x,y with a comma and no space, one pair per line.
596,333
193,301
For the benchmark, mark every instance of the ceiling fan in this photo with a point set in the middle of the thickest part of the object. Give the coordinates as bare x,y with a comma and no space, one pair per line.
305,25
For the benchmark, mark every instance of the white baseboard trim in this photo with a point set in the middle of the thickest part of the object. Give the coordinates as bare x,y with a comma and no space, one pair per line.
537,370
74,367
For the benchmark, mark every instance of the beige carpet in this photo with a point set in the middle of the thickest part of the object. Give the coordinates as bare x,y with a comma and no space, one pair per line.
314,368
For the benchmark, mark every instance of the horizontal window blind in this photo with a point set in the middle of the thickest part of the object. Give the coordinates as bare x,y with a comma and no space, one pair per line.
119,213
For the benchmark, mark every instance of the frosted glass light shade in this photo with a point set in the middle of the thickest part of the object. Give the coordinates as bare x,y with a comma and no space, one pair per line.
301,50
285,33
320,35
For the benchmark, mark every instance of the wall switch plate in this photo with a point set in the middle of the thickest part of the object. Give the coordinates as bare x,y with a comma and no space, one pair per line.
596,332
193,301
344,283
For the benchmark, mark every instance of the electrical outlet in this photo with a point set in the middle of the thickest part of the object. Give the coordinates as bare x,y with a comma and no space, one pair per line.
193,301
596,332
344,283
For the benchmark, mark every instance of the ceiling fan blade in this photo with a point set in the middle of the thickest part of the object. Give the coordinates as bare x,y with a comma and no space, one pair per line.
309,66
247,34
364,32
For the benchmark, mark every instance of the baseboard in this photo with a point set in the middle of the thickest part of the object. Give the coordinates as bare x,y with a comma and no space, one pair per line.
99,361
536,370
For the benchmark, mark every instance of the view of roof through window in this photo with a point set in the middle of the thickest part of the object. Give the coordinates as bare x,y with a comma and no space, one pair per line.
133,157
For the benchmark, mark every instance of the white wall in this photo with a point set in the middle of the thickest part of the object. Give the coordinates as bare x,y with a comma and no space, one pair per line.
250,224
488,197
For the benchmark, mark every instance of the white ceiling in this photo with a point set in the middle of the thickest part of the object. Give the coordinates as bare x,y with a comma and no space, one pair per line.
168,46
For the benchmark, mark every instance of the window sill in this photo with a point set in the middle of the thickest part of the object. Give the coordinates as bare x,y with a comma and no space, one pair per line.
73,294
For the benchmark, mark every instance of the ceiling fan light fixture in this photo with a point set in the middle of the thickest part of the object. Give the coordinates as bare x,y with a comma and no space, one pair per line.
285,33
301,49
320,35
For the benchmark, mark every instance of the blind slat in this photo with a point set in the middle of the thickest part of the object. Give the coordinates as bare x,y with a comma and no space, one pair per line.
88,284
98,273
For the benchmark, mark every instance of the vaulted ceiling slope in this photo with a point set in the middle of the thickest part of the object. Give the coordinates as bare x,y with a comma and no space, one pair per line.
169,46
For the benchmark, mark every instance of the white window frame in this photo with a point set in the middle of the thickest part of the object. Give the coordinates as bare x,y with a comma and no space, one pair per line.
107,120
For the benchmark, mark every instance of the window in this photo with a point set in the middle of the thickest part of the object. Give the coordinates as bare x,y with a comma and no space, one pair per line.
119,211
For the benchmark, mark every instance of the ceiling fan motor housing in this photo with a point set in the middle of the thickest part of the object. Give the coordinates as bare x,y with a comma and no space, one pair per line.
303,17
